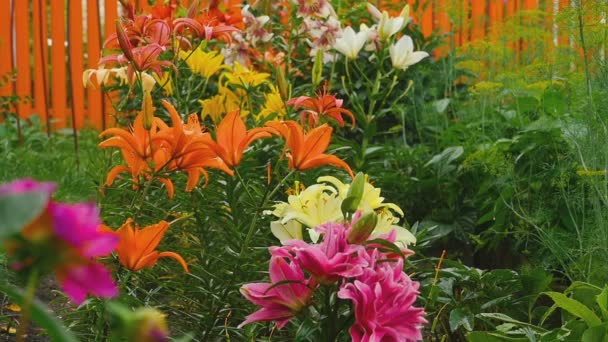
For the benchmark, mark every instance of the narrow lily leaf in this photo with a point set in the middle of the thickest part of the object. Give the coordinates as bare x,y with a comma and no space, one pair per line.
41,315
18,210
575,307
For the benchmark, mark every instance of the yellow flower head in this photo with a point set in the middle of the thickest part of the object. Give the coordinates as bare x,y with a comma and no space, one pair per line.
273,104
203,63
166,83
225,101
244,77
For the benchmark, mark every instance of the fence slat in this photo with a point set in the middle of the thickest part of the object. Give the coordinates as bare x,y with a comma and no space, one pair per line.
6,43
76,51
478,19
111,15
95,108
427,17
58,63
23,86
41,98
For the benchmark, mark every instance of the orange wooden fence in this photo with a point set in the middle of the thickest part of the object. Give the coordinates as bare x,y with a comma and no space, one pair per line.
50,42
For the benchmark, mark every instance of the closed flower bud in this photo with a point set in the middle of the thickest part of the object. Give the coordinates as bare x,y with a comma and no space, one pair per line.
354,194
363,228
317,69
282,84
148,111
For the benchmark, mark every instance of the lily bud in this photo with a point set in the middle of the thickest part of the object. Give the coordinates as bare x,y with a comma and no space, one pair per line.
354,194
317,69
147,110
123,41
282,84
362,229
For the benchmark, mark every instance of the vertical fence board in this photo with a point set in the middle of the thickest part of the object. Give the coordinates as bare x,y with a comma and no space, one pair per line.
41,98
95,107
6,43
442,25
76,51
478,19
427,17
111,15
465,30
23,85
58,63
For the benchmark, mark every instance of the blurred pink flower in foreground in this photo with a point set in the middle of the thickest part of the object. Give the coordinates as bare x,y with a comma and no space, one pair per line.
66,239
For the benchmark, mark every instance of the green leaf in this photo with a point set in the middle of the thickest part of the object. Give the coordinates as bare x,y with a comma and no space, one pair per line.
41,315
440,106
505,318
460,317
17,210
595,334
575,308
484,336
602,301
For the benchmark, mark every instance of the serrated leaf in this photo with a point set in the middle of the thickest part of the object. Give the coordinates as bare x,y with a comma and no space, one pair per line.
461,318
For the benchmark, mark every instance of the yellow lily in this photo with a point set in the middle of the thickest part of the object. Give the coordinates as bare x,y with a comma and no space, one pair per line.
203,63
244,77
312,207
273,104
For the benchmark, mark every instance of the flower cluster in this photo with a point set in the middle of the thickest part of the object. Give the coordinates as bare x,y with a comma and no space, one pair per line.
350,43
154,151
321,203
367,275
65,239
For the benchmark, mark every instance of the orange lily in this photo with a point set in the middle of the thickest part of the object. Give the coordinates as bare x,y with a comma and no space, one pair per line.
233,138
134,144
186,148
306,149
137,247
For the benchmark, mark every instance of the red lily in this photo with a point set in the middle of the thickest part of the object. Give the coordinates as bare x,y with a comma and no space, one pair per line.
323,104
140,59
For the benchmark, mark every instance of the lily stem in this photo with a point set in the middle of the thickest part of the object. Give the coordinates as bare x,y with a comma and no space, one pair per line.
259,210
26,307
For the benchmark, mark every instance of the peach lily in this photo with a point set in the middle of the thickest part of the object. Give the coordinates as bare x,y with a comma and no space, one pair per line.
137,246
306,149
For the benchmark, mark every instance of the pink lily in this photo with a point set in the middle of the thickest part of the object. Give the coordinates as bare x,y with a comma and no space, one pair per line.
332,259
287,293
383,298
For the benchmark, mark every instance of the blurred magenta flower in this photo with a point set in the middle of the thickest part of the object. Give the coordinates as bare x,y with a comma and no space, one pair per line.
65,239
383,298
287,293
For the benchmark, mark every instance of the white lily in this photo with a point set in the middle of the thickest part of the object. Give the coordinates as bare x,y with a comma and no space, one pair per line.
403,54
291,230
350,43
387,25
